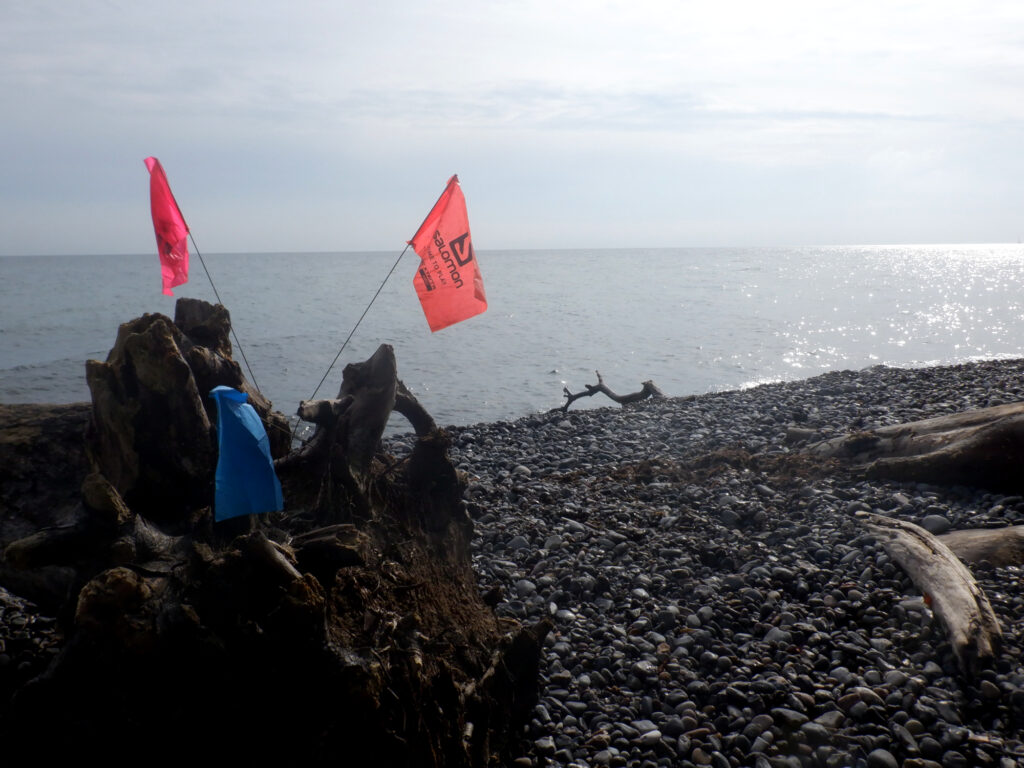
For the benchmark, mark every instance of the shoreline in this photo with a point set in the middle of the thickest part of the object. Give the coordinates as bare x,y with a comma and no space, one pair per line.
711,609
714,601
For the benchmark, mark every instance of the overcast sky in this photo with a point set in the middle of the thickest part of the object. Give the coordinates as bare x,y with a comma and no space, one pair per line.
300,125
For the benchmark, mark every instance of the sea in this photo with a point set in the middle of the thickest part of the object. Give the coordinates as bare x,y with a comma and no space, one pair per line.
693,320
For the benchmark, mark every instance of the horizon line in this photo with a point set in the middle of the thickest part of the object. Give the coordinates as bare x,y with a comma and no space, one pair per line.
506,250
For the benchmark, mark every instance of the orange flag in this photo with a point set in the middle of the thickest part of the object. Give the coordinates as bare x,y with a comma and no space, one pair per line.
448,282
170,227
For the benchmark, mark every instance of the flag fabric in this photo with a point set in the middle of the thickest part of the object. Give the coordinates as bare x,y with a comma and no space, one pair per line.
448,282
170,227
246,483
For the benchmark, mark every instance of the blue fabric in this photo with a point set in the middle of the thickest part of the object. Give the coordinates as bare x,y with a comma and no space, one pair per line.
246,481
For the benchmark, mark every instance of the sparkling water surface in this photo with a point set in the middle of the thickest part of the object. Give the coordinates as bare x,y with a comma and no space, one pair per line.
693,320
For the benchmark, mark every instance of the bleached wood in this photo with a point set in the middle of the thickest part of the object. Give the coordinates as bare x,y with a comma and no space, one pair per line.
982,448
957,600
997,546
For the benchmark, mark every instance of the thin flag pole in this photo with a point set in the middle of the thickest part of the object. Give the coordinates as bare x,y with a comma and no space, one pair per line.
216,293
354,327
375,295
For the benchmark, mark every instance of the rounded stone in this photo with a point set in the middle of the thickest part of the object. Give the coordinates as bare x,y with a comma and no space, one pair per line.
882,758
935,524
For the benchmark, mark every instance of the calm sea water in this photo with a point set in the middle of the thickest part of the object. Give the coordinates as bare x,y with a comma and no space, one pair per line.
693,320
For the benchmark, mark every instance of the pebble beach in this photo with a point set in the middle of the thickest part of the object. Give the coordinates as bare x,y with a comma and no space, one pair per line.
714,600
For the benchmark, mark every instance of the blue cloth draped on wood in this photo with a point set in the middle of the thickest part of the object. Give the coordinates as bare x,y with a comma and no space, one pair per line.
246,481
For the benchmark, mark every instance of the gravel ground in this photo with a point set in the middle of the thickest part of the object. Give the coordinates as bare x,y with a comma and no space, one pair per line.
714,600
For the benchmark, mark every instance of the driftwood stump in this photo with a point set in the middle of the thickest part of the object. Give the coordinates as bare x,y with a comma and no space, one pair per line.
958,601
348,628
153,428
347,436
983,448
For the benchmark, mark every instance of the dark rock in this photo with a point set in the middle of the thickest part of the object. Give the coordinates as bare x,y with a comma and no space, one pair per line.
882,758
935,524
788,718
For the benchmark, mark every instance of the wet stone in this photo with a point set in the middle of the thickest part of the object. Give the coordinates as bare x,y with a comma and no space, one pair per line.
935,524
702,627
788,718
816,733
778,635
989,690
882,758
545,746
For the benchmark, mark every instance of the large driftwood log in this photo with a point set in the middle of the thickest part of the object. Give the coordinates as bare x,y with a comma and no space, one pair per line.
996,546
958,601
648,389
983,448
349,630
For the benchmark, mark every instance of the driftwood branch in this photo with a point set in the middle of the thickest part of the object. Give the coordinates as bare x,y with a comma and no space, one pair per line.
325,414
958,601
407,405
649,389
271,557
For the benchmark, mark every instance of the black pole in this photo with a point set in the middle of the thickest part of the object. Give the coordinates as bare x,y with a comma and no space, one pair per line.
216,293
354,327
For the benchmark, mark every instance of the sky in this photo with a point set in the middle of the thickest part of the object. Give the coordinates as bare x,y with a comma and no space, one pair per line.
333,126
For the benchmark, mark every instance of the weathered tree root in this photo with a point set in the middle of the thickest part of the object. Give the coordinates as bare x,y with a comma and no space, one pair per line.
955,596
347,627
649,389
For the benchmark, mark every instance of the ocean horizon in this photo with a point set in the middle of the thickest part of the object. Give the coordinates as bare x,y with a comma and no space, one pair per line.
693,320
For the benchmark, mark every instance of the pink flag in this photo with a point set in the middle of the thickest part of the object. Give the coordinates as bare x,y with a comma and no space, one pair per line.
448,282
171,229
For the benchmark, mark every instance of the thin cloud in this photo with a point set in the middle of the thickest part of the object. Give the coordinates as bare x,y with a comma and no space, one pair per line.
724,111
